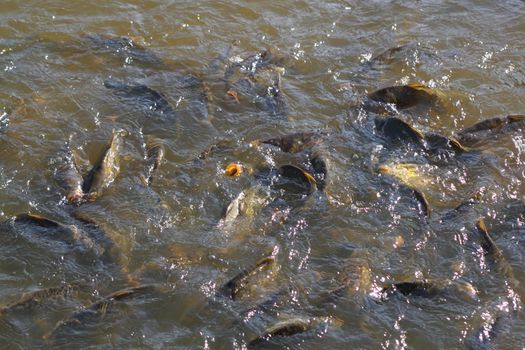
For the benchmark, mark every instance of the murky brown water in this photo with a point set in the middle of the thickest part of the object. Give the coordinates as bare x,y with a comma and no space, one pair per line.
364,225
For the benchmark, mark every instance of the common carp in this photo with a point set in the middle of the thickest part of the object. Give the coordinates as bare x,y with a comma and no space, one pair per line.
410,174
355,278
106,168
295,180
475,132
125,48
97,311
154,158
251,80
246,204
69,178
491,250
143,96
234,286
394,128
491,124
296,142
320,171
283,329
494,321
439,142
115,247
488,244
33,299
411,178
430,289
260,87
69,234
406,96
422,200
289,328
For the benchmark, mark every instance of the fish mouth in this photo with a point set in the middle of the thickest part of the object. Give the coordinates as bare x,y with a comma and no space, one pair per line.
76,197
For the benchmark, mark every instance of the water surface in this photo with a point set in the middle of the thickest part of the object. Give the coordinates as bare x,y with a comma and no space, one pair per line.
53,70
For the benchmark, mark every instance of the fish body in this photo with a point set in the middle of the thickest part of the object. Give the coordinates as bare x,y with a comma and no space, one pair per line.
491,250
154,158
437,142
233,287
387,56
295,179
256,78
283,329
291,327
423,202
124,48
488,244
431,289
144,96
69,234
491,328
396,129
69,178
33,299
411,179
406,96
247,204
106,169
296,142
320,171
472,134
416,288
98,310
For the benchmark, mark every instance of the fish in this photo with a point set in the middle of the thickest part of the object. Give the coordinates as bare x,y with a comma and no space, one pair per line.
469,134
69,234
113,246
262,88
394,128
154,158
247,203
234,286
283,329
125,48
221,146
296,142
492,123
430,289
416,288
33,299
106,168
488,244
289,328
98,310
251,61
423,202
320,171
294,179
406,96
273,101
491,328
68,177
411,174
143,96
437,142
387,56
491,250
411,178
355,278
256,77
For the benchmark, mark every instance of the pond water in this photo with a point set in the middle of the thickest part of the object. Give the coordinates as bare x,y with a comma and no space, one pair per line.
74,72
